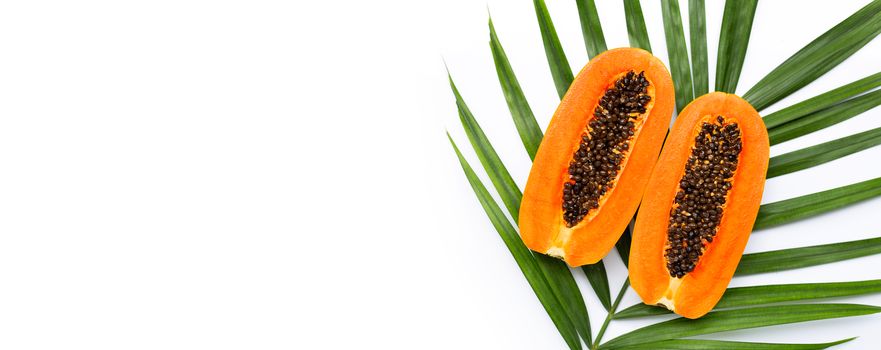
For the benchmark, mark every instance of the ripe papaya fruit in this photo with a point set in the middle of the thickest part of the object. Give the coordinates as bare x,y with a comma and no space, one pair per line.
700,205
593,163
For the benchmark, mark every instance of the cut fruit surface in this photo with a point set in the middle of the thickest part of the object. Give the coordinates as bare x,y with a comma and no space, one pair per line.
700,205
593,163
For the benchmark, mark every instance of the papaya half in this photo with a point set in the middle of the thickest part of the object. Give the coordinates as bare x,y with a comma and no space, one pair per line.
700,205
596,156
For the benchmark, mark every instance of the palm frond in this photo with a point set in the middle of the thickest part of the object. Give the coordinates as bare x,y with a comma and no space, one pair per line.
498,174
524,258
823,153
677,53
563,286
697,23
701,344
623,246
563,77
818,57
743,307
730,320
824,118
636,31
559,277
822,101
599,281
789,210
524,120
737,23
591,28
560,70
769,294
778,293
795,258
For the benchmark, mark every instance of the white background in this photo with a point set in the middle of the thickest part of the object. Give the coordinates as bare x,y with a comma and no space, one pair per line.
275,175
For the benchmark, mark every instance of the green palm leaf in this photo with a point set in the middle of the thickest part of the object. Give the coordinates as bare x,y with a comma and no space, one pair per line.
591,28
524,120
524,258
531,136
822,101
794,258
737,23
636,32
501,179
697,22
789,210
552,280
560,70
818,57
623,246
824,118
700,344
596,275
677,53
730,320
770,294
562,74
559,277
823,153
563,286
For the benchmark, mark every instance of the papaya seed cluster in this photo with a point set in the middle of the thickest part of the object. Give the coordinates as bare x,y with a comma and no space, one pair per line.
604,145
699,203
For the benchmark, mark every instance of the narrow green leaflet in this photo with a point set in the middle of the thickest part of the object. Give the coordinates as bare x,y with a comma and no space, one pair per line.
531,135
823,153
498,174
794,258
701,344
789,210
818,57
824,118
623,246
596,275
770,294
729,320
822,101
563,285
560,278
636,32
524,120
591,28
677,53
524,258
737,24
697,22
560,69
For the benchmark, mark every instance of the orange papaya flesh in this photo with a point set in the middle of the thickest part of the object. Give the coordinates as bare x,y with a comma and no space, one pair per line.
593,163
700,205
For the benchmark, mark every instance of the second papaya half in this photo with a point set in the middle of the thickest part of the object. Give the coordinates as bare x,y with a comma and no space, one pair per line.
700,205
595,159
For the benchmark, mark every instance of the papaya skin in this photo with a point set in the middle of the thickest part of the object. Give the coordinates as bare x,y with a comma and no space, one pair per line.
542,226
697,292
